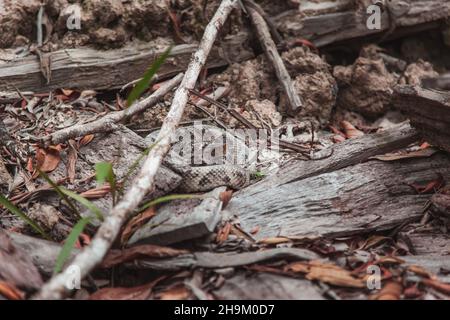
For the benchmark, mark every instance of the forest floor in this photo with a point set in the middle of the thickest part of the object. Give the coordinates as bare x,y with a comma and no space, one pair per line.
354,204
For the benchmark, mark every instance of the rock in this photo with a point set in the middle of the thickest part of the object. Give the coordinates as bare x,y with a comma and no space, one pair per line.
365,87
415,72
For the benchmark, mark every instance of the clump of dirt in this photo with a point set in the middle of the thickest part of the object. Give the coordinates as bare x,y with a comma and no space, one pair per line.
261,114
365,87
415,72
16,19
314,82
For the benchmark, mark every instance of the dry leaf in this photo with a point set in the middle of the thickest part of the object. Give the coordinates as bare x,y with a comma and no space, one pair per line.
72,157
423,153
136,222
390,291
328,273
135,293
66,92
350,130
255,230
412,292
225,197
96,193
430,187
10,292
275,240
85,140
223,233
115,257
48,159
179,292
436,284
420,271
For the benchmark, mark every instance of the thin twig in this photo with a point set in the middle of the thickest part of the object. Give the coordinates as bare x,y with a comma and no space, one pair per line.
282,143
144,182
270,48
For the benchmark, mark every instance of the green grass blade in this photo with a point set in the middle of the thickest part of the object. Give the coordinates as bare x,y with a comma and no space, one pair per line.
69,244
104,172
143,84
83,201
58,190
11,207
170,198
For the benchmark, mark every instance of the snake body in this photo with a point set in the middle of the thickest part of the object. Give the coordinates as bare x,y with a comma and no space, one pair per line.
205,177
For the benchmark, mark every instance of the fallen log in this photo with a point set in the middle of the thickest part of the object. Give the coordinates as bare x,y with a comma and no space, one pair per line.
321,24
429,112
343,195
84,68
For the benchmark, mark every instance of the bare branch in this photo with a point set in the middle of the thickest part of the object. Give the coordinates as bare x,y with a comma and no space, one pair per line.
92,255
270,48
108,122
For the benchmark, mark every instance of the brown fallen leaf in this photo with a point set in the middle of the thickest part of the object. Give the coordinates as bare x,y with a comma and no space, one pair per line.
326,272
423,153
179,292
420,271
10,292
438,285
350,130
134,293
85,140
48,159
115,257
391,291
430,187
223,233
274,240
412,292
97,193
225,197
72,156
137,221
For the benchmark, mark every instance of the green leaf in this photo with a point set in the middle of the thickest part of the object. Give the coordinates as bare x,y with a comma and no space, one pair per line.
58,190
83,201
143,84
170,198
104,172
69,244
11,207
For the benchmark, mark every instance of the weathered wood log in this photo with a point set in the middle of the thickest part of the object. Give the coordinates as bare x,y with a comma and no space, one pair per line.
429,112
322,24
224,260
182,220
85,68
343,20
372,196
341,196
267,286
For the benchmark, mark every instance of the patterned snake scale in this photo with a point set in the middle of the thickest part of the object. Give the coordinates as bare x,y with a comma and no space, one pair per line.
201,178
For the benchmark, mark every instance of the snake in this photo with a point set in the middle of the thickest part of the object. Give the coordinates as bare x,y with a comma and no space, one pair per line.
200,176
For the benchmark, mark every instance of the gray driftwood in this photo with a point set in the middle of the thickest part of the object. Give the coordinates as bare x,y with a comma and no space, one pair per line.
331,22
263,286
429,112
321,24
43,253
182,220
91,69
341,196
224,260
